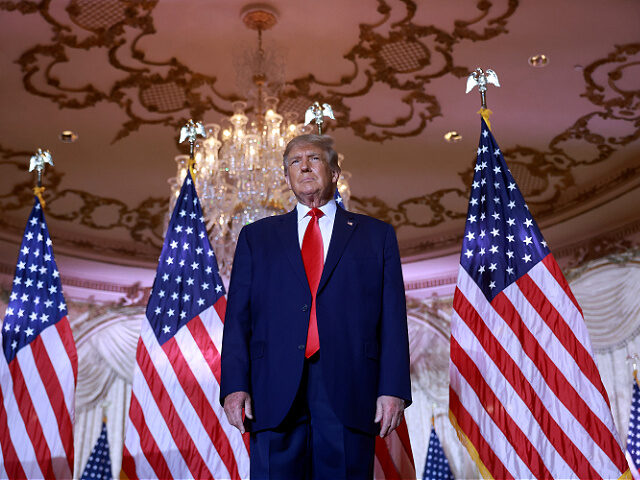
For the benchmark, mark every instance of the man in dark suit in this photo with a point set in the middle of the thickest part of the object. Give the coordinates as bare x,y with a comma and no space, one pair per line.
315,346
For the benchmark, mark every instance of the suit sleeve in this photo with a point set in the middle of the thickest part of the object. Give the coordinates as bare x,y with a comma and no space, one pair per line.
394,377
235,372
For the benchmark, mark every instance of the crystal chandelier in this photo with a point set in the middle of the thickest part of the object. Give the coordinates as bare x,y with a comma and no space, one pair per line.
238,168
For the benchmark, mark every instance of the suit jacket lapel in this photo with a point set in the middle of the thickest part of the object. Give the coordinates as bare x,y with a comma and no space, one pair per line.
343,226
289,237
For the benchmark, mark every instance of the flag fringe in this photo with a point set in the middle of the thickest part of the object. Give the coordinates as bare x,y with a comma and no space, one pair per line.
38,191
484,471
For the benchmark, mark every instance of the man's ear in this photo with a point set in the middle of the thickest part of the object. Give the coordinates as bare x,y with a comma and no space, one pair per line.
286,178
335,175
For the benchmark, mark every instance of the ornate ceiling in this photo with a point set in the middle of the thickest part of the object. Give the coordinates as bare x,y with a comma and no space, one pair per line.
125,75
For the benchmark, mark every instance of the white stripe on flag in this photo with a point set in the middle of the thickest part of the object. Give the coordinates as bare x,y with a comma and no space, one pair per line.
489,430
559,355
214,326
507,339
17,430
210,386
202,372
509,398
46,417
180,403
132,442
154,421
61,364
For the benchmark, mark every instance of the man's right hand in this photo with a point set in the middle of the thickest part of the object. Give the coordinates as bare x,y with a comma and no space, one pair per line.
233,405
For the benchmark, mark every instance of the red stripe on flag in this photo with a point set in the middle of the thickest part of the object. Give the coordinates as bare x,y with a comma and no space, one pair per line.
54,391
403,435
562,331
494,408
128,468
206,345
201,405
560,387
31,421
12,464
511,371
386,462
221,307
66,335
148,445
471,430
554,269
174,423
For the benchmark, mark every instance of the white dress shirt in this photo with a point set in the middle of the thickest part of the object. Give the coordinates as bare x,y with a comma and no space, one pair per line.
325,222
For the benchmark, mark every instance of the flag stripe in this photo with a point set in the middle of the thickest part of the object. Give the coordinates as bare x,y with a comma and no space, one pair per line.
172,416
11,463
497,411
384,458
403,434
55,395
524,342
554,269
30,418
202,336
487,456
562,329
68,362
200,403
515,376
582,405
44,406
148,444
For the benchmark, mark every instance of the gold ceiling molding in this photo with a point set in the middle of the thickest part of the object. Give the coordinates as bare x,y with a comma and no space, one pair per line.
144,222
169,92
546,177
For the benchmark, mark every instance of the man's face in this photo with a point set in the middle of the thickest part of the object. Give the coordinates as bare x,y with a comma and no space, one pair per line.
309,175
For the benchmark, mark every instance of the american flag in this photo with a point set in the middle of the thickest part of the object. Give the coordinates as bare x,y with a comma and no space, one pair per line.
525,394
393,456
99,463
633,435
176,427
436,466
39,365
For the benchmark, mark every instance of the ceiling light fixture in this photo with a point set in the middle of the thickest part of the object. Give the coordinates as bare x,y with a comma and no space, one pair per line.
539,60
452,136
68,136
238,166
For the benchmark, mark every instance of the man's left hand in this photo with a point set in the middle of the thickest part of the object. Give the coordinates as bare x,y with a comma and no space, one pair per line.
389,412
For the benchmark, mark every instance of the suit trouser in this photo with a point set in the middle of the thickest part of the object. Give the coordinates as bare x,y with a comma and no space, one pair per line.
312,443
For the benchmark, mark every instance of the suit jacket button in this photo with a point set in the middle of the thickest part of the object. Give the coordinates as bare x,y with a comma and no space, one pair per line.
305,308
301,347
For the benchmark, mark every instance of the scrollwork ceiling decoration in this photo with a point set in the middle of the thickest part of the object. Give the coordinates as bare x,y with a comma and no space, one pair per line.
396,51
545,175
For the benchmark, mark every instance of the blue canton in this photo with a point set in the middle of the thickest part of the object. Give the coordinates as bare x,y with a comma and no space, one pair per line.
633,436
436,466
99,464
187,280
36,300
502,241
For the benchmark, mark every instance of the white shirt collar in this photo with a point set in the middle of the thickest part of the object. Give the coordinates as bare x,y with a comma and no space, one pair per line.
329,209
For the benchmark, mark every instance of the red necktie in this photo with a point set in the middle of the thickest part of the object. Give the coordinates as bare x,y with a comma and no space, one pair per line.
313,258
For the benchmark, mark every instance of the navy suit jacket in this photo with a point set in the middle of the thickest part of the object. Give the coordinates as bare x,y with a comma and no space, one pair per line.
361,312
